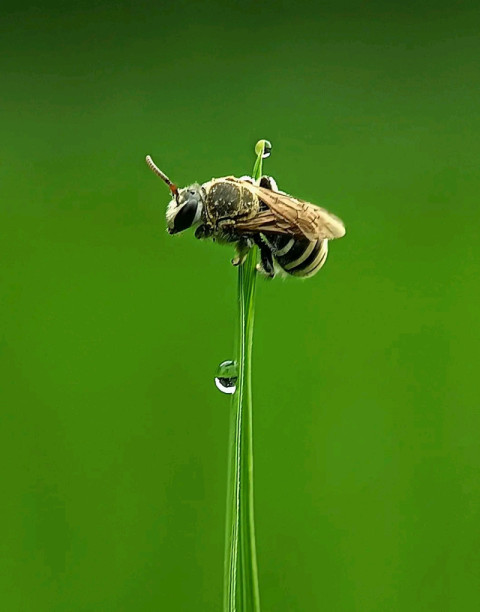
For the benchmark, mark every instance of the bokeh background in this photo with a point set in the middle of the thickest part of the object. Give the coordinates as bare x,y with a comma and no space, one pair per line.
367,420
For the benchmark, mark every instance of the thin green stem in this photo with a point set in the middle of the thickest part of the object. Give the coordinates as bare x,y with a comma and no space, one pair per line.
241,593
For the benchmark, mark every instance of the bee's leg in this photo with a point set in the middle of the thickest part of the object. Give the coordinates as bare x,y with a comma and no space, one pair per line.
265,266
242,247
225,230
268,182
202,232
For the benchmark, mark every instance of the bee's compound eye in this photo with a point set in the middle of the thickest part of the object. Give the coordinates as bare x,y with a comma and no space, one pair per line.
185,217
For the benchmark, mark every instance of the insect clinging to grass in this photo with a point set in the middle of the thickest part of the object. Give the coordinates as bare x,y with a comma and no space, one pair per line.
291,234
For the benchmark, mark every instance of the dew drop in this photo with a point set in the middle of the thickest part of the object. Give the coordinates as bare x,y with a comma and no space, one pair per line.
226,377
267,150
265,146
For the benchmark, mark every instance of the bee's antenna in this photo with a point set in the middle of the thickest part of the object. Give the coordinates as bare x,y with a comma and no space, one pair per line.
154,168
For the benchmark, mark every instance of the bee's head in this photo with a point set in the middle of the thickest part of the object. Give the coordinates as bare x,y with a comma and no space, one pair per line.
185,209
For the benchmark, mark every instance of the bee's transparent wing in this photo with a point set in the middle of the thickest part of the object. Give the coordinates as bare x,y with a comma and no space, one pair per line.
288,215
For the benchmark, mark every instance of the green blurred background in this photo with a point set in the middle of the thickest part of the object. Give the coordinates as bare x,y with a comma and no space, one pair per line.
366,402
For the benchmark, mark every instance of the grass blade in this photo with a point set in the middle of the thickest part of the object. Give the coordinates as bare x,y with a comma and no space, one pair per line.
241,592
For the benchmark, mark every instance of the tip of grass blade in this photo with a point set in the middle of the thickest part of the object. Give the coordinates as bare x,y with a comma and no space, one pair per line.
263,149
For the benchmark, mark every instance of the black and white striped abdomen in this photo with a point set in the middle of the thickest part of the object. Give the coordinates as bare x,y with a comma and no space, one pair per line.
298,256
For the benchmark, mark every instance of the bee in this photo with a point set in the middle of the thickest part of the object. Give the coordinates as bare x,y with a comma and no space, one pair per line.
291,234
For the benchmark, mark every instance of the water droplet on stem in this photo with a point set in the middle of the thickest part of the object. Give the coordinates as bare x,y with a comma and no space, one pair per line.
263,147
226,377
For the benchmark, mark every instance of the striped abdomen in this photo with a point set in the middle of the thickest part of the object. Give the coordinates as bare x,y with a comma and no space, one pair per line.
298,256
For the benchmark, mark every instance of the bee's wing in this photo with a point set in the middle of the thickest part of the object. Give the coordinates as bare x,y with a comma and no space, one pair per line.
288,215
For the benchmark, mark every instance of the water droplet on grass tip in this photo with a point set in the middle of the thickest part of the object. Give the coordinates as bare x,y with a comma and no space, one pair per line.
267,150
265,146
226,377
